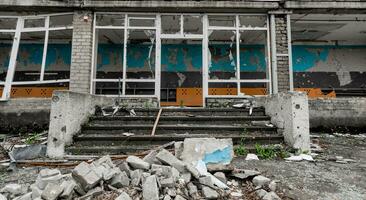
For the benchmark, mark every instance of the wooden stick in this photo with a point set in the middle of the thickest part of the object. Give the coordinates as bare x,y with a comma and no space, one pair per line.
156,122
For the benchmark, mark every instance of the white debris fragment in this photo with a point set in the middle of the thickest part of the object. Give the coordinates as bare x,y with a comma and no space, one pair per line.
251,156
300,158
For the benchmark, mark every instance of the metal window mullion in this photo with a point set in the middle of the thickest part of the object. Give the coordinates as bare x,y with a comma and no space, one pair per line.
13,57
125,56
94,57
268,60
45,46
205,59
237,38
289,46
158,57
181,25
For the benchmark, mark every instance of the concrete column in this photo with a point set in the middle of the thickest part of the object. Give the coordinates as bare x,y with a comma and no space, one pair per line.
282,53
82,49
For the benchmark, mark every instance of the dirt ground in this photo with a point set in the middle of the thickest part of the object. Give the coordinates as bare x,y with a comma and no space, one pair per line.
323,179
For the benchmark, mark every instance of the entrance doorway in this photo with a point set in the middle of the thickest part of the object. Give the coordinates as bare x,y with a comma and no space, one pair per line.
181,72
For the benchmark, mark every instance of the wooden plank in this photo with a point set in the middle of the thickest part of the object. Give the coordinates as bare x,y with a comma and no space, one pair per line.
156,122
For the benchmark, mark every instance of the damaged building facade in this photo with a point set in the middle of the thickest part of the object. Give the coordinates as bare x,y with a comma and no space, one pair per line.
184,53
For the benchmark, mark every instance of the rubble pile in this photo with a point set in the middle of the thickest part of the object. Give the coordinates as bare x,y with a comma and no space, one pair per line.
159,175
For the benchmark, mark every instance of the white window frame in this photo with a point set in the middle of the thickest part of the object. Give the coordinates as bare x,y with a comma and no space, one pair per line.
15,47
203,37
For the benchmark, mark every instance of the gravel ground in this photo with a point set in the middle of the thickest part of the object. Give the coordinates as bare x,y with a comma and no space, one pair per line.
324,178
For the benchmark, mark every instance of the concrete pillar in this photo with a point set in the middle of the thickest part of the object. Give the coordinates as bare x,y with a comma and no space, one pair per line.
282,53
82,49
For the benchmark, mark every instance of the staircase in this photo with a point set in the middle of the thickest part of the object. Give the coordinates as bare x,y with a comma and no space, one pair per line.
105,134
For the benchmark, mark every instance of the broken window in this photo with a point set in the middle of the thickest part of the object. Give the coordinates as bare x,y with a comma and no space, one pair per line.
58,57
8,23
110,19
252,21
142,21
110,53
140,62
61,20
30,55
140,88
109,88
253,55
34,23
171,24
6,42
192,24
222,20
222,55
223,89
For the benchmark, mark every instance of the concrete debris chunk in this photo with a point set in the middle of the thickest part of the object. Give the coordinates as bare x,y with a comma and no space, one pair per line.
125,167
120,180
92,193
52,191
187,177
68,188
261,180
192,189
251,156
300,158
27,196
86,176
2,197
221,176
167,197
178,149
36,192
271,196
151,158
137,163
206,180
123,196
209,193
150,190
195,173
167,182
272,186
166,157
47,176
136,176
12,188
178,197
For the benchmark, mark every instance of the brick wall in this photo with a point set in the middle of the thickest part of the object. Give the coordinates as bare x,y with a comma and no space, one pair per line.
283,77
82,41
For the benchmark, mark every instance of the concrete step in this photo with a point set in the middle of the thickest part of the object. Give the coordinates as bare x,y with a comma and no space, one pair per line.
166,120
190,112
120,140
175,129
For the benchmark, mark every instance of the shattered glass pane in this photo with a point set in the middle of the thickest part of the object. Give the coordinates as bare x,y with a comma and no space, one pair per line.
6,43
253,20
58,57
141,54
29,58
34,23
192,24
222,55
140,88
170,24
8,23
110,20
61,20
221,20
142,22
110,53
254,88
253,55
220,89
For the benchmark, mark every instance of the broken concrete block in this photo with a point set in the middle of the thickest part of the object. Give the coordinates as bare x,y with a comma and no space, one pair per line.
136,176
120,180
245,174
167,197
272,186
123,196
28,152
151,158
52,191
27,196
161,170
144,176
209,193
186,177
192,189
195,173
166,157
86,176
79,189
271,196
178,149
261,180
209,150
137,163
2,197
221,176
171,192
105,160
206,180
12,188
68,188
150,190
251,156
125,167
167,182
92,193
178,197
36,192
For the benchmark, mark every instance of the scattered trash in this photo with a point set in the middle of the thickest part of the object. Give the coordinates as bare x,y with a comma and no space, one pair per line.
247,103
128,134
24,152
